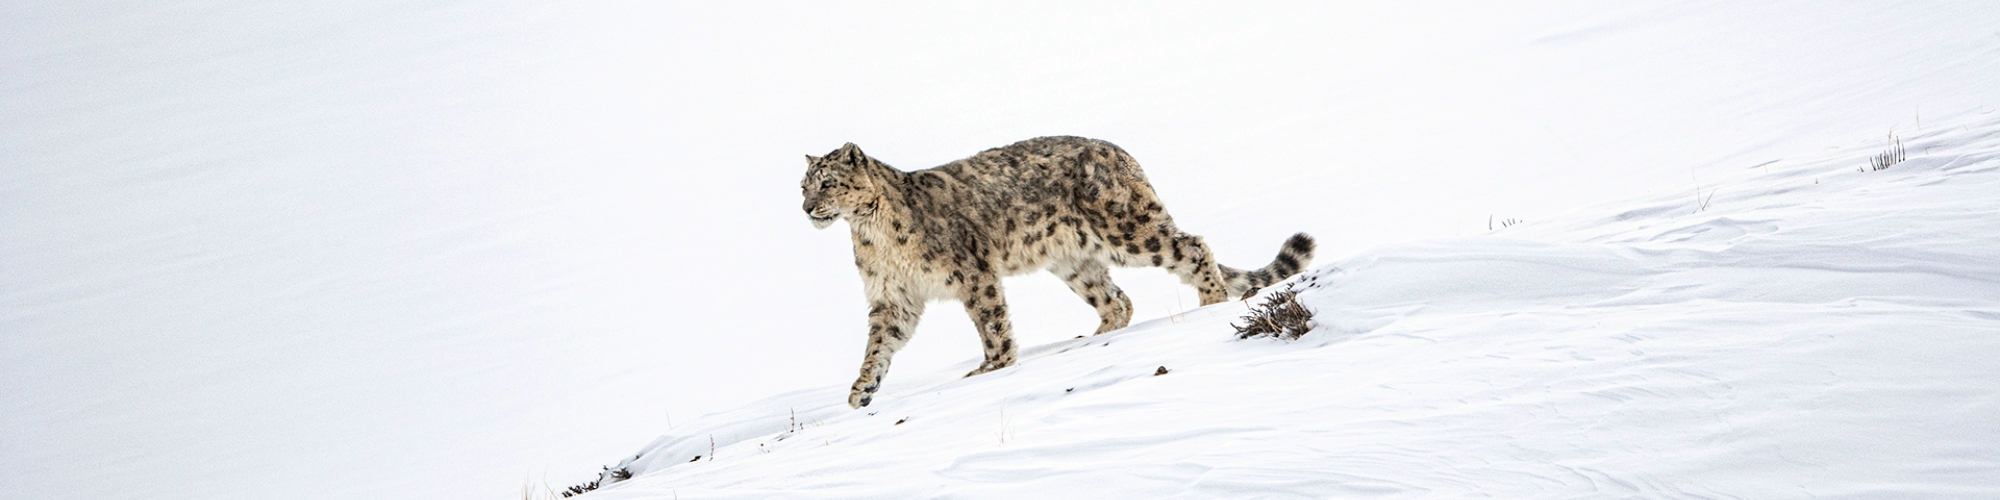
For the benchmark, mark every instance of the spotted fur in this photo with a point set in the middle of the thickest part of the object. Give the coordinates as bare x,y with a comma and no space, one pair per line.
1071,205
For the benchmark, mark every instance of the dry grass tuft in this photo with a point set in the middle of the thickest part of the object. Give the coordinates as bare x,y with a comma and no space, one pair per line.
1892,154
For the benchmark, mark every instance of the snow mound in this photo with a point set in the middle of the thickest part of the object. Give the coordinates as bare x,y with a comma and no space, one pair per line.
1813,330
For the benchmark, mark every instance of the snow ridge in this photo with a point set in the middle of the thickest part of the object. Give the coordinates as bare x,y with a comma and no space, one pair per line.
1815,330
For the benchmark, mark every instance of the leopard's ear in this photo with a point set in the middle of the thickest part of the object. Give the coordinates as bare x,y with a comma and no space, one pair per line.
851,153
810,160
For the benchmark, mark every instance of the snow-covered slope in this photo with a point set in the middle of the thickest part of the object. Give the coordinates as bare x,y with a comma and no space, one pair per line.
396,249
1814,331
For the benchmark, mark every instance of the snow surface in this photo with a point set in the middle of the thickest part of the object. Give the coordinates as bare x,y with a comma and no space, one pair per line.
1816,331
439,249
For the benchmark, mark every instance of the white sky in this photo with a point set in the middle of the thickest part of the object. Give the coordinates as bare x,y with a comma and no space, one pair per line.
394,247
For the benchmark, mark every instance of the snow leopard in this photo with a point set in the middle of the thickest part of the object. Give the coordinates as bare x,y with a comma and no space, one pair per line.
1071,205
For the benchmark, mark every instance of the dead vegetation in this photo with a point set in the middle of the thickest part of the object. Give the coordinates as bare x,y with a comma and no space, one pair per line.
1279,316
620,474
1892,153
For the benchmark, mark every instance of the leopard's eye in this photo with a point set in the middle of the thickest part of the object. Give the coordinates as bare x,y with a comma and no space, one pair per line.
826,183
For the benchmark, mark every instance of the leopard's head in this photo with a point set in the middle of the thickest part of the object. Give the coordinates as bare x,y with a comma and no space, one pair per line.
838,185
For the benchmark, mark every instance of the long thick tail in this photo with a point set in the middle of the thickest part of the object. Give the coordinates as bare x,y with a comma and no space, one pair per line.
1297,253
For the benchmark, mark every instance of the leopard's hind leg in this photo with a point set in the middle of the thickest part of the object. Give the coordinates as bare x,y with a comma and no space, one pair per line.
1092,281
1139,233
1188,257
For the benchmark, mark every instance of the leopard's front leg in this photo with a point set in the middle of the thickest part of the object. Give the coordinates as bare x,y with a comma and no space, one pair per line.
890,324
